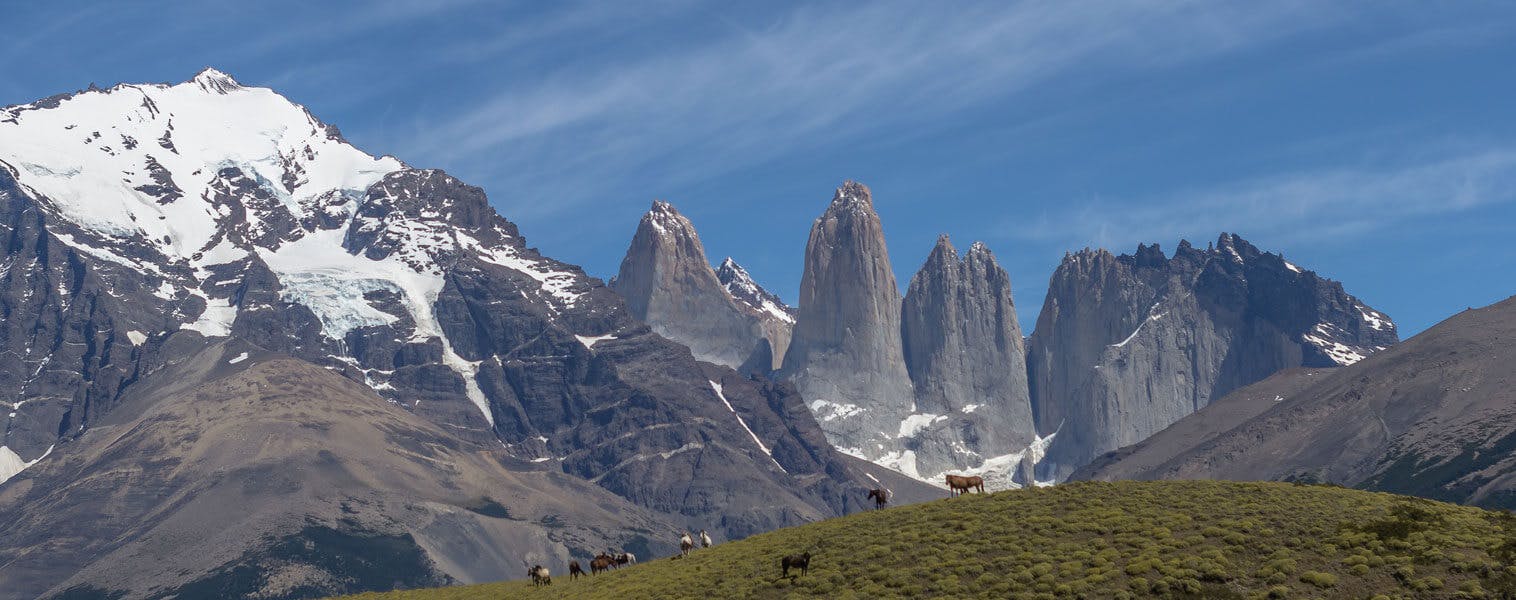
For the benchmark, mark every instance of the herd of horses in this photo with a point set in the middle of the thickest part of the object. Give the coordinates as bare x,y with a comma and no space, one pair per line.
605,561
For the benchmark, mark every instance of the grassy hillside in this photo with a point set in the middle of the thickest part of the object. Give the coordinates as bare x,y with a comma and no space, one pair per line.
1199,539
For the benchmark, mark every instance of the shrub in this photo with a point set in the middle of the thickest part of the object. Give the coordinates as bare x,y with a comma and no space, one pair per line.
1319,579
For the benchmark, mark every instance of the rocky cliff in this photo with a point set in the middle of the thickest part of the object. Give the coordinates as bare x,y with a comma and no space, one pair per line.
846,357
1434,416
1126,345
668,283
966,359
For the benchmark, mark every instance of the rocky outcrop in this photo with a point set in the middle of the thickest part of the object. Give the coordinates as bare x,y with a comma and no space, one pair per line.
966,358
1126,345
846,357
668,283
1434,416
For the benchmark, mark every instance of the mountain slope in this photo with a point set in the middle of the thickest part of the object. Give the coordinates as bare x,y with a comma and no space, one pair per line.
139,211
231,471
1126,345
1433,416
1098,540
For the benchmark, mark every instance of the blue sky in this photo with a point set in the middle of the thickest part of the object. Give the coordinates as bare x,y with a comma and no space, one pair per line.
1370,141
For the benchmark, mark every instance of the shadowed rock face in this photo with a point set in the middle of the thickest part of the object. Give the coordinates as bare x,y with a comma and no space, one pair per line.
1126,345
1434,416
845,357
723,316
966,358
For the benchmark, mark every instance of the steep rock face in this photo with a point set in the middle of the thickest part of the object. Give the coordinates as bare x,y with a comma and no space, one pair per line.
668,283
776,322
1434,416
967,360
845,357
142,210
1126,345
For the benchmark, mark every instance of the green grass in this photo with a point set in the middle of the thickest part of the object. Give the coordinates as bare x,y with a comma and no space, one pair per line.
1175,539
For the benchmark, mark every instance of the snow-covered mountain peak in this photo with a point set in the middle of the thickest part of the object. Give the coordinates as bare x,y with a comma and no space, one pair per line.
149,161
853,195
741,286
214,81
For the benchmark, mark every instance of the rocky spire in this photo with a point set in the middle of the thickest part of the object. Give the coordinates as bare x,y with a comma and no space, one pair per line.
966,358
668,284
845,356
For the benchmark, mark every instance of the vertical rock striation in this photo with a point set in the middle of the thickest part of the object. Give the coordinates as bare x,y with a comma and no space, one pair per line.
845,356
967,360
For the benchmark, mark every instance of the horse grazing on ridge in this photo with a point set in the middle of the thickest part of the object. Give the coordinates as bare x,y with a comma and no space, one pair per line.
685,544
795,561
880,497
575,570
540,576
959,484
601,564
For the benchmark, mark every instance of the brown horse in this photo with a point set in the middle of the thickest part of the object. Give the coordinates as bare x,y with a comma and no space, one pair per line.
880,497
575,570
800,561
600,565
609,559
960,484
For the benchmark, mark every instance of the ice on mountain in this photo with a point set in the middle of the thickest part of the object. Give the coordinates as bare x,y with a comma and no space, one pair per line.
912,425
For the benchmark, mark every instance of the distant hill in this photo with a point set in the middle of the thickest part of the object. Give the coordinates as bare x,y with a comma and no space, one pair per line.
1197,539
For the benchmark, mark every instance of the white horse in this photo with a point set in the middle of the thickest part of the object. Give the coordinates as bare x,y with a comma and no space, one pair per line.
685,545
705,540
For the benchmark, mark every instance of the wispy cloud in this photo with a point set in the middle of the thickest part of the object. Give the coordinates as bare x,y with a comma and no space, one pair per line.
1311,206
818,76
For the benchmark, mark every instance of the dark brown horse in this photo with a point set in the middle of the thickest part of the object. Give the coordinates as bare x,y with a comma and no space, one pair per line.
575,570
880,497
960,484
799,561
601,564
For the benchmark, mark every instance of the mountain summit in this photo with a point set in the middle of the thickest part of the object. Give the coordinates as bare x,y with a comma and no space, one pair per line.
1127,345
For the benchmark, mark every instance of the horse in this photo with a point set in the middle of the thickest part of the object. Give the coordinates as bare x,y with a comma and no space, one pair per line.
959,484
880,497
685,545
705,540
626,558
540,576
575,570
610,559
600,565
801,561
